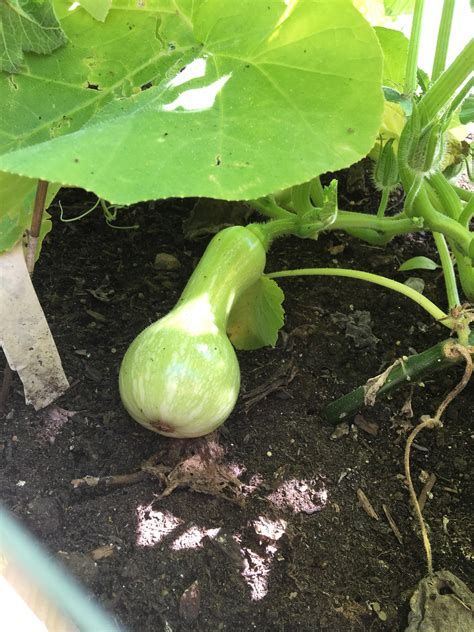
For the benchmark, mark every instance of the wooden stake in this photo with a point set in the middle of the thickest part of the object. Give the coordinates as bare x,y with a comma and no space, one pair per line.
33,236
36,220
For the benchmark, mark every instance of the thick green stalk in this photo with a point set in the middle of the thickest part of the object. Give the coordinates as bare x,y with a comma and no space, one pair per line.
375,230
383,203
436,221
270,231
421,300
393,225
413,48
466,273
463,194
442,91
269,208
460,96
442,224
413,192
442,44
465,267
371,237
317,192
411,370
467,214
301,198
448,270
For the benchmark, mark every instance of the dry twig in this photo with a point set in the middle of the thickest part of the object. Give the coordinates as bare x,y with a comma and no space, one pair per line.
426,490
392,524
366,505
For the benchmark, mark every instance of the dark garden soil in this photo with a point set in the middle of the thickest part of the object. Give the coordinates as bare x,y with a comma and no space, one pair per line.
292,549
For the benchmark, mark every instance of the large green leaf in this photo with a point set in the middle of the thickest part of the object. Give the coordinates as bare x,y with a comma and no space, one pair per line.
27,25
247,98
99,9
257,316
15,216
372,10
395,50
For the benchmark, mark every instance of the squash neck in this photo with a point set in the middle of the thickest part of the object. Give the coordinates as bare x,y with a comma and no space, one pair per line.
233,261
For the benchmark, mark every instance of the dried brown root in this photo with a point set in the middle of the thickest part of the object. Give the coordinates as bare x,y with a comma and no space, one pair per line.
374,384
435,422
196,464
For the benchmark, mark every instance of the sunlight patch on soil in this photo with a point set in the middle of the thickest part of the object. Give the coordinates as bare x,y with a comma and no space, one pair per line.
257,566
256,571
154,526
270,529
192,538
301,496
254,483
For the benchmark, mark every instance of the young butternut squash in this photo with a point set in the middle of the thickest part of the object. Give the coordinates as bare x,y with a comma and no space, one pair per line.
180,377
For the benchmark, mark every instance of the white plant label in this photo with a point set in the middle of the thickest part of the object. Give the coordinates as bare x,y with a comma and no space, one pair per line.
25,335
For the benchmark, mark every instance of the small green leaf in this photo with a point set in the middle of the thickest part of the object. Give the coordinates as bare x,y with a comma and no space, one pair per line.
27,26
418,263
257,316
393,96
99,9
423,79
466,115
16,209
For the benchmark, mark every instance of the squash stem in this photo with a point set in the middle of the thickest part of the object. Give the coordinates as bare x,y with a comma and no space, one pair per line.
463,194
448,270
268,207
421,300
411,369
442,44
413,48
383,203
448,83
317,192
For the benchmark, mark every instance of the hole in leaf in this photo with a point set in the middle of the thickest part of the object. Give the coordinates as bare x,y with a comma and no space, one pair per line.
446,590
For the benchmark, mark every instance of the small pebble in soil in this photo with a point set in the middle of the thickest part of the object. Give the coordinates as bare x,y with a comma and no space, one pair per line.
341,430
80,565
130,570
190,602
164,261
460,464
44,515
